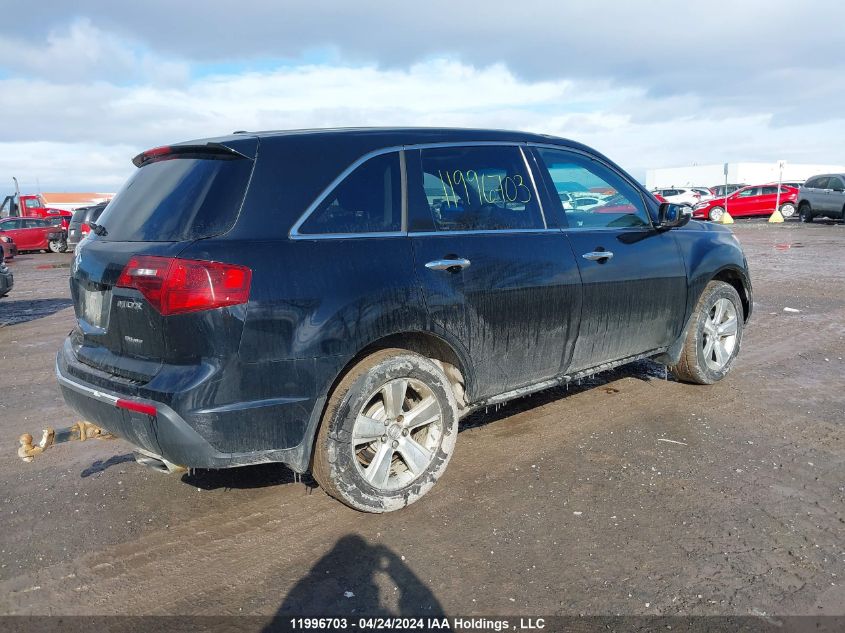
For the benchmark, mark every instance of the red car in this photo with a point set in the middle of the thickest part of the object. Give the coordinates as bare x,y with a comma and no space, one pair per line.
10,249
749,201
35,234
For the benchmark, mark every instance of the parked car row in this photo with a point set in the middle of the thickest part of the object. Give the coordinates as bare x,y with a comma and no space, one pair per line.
822,195
754,200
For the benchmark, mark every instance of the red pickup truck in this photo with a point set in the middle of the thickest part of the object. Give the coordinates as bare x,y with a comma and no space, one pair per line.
33,206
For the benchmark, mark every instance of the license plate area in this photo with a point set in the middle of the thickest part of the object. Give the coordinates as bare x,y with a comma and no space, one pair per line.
94,307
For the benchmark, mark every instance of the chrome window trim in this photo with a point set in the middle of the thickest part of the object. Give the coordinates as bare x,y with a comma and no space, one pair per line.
479,232
623,176
347,236
294,233
465,144
649,228
534,186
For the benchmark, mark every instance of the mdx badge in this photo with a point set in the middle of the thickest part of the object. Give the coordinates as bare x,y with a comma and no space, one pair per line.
131,304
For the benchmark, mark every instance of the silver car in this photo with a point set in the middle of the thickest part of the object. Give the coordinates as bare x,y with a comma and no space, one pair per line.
822,195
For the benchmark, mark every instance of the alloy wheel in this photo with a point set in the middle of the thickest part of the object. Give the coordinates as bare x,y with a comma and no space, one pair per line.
397,433
720,331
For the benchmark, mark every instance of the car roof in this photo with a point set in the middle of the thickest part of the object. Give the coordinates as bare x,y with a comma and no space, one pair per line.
371,137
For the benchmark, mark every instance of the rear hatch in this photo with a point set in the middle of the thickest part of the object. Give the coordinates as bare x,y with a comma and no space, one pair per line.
138,306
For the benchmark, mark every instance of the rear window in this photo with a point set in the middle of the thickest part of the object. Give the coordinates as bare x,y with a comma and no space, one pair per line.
87,214
79,215
178,199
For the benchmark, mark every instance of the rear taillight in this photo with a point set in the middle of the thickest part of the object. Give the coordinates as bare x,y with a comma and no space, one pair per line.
176,286
85,229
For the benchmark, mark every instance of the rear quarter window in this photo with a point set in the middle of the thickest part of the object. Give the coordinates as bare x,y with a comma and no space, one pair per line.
178,199
368,200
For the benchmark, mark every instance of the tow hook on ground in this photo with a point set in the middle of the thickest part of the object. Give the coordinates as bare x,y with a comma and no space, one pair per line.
80,431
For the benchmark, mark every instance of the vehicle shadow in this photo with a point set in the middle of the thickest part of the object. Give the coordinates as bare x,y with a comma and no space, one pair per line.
246,477
100,465
23,311
357,579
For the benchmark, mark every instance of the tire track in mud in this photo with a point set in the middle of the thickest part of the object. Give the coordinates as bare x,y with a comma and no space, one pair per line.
252,538
209,557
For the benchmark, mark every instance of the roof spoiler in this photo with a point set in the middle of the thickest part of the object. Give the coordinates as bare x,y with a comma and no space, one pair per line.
209,150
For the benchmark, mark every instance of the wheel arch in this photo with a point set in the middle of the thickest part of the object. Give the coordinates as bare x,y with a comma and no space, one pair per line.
448,354
739,281
426,343
730,274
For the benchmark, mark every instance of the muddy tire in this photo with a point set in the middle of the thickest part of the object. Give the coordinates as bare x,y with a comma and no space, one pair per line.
387,433
714,336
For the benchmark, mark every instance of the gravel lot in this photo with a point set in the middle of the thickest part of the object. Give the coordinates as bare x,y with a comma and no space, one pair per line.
629,494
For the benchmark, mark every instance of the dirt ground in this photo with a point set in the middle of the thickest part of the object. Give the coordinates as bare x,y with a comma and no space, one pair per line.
628,494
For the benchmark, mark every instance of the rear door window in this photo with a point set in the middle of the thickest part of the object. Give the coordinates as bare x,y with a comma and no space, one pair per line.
368,200
477,188
820,182
178,198
621,207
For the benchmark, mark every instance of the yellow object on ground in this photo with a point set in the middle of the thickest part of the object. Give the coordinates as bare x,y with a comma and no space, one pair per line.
776,216
726,218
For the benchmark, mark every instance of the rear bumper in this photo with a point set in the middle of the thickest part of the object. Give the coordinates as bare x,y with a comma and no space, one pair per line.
192,437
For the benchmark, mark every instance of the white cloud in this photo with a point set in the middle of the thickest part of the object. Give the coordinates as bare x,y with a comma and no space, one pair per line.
80,51
50,166
82,102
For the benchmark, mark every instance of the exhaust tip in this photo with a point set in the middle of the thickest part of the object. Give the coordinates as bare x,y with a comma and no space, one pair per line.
157,463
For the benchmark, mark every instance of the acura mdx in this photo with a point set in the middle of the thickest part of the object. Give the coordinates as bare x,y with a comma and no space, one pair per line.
337,300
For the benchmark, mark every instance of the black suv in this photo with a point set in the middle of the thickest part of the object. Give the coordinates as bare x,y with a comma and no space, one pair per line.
337,300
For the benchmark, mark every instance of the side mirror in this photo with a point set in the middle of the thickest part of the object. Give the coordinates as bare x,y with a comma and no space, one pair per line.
672,216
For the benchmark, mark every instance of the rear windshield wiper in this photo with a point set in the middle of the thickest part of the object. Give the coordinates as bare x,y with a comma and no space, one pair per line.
99,229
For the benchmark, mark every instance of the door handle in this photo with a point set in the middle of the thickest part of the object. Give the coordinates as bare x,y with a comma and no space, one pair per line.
447,264
595,256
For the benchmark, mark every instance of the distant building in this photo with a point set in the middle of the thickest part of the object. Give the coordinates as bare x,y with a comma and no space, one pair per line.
747,173
71,201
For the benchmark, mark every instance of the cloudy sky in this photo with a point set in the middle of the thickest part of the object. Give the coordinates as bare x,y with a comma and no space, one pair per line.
86,85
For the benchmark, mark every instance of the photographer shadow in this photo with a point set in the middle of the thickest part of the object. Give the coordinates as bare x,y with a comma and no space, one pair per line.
356,579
